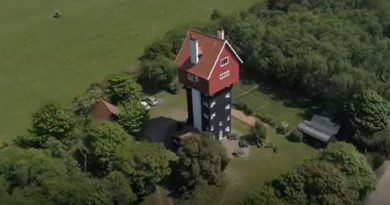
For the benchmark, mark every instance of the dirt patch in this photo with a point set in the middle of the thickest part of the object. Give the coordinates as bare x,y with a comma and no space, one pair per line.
232,145
250,120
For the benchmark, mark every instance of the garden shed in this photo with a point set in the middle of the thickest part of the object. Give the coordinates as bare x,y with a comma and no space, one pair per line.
319,127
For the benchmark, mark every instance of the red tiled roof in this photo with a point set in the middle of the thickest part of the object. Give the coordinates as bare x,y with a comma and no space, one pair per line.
210,48
103,110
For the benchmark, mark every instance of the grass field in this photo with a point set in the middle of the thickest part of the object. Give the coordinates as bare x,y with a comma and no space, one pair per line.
46,59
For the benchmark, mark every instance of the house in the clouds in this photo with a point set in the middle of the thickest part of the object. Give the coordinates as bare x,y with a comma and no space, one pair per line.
208,66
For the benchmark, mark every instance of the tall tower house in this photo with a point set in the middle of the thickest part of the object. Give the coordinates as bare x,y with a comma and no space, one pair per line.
208,67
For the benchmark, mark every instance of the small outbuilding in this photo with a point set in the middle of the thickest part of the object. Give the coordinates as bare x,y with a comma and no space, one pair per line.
319,127
105,111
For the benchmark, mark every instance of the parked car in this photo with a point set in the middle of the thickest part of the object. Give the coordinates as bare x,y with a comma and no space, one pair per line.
151,100
145,105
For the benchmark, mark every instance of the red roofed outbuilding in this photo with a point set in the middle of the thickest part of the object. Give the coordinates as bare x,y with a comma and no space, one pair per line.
105,111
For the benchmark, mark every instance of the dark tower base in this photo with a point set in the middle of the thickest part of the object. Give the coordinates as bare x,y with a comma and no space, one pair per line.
215,112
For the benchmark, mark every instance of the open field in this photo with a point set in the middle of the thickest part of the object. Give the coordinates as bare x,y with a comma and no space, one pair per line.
46,59
245,174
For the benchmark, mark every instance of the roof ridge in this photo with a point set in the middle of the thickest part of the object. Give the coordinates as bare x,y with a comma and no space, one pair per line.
206,34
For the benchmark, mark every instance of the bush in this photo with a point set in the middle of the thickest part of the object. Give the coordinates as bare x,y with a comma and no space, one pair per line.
282,128
244,108
295,136
259,133
267,119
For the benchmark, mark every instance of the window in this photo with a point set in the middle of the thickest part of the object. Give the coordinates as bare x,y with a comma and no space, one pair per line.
190,77
212,128
220,123
205,116
205,104
224,61
224,75
228,118
227,95
227,107
227,129
213,115
212,104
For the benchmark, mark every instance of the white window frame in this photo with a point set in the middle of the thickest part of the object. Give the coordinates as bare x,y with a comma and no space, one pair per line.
224,75
224,61
227,95
227,129
227,107
205,104
220,123
228,118
205,116
212,104
213,115
212,128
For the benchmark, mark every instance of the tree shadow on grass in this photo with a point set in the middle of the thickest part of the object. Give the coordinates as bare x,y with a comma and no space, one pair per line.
160,130
308,140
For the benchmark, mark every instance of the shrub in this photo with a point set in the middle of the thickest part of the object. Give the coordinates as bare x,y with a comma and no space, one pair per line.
267,119
295,136
244,108
375,160
282,128
259,133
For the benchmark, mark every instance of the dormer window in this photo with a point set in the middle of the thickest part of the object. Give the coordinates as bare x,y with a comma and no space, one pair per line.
224,75
224,61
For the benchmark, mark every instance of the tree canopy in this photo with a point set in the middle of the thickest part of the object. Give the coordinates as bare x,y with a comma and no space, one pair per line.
122,89
338,175
133,117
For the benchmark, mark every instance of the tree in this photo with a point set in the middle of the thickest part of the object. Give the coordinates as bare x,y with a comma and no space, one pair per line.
202,159
367,112
290,187
122,89
216,14
120,190
157,73
144,164
345,156
84,104
133,117
103,139
52,120
259,132
262,196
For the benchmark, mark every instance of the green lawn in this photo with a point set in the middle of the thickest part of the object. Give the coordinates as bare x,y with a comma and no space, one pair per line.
46,59
246,174
274,104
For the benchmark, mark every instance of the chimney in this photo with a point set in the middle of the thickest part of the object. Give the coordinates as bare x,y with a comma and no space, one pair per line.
194,49
221,34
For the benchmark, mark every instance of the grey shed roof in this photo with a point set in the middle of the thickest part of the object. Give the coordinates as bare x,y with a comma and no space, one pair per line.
319,127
